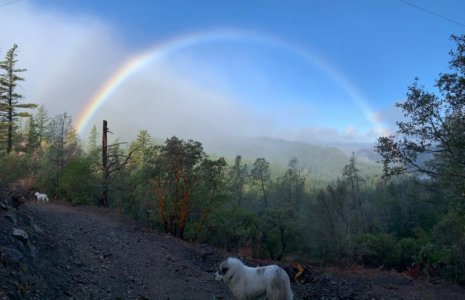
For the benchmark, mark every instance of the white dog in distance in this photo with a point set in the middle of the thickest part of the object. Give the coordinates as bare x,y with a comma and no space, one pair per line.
254,283
41,197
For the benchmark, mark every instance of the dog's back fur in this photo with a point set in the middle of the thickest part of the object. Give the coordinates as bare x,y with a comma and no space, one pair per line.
252,283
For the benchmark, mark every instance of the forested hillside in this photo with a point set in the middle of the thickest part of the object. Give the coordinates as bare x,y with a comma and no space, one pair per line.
323,164
279,200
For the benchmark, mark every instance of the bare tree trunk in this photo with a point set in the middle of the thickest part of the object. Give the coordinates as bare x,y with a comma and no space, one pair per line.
104,200
10,129
263,190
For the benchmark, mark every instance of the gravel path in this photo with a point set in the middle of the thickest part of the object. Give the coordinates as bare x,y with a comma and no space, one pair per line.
98,254
87,252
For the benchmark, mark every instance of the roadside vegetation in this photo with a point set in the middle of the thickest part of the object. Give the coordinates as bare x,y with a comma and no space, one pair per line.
410,218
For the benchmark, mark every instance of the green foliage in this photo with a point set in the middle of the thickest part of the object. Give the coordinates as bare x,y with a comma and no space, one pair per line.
143,150
32,136
388,251
260,207
140,199
115,177
430,141
41,123
10,108
261,176
238,175
407,249
78,183
13,168
279,233
62,146
440,254
440,261
92,146
381,250
212,182
445,255
175,173
450,230
233,229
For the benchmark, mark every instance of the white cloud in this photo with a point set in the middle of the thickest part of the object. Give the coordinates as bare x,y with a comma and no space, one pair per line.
69,57
66,56
167,104
388,116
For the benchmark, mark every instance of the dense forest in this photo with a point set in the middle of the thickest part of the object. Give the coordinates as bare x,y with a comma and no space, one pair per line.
410,218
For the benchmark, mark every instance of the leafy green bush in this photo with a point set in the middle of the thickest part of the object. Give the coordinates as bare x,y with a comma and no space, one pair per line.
450,230
12,168
231,229
379,250
392,253
444,256
407,248
78,183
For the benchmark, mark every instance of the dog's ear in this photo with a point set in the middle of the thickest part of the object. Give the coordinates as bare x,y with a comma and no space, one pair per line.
224,270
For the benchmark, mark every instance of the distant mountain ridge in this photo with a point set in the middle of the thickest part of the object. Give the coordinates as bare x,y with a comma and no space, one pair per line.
323,161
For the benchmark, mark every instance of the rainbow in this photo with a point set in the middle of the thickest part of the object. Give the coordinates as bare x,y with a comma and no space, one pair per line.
161,50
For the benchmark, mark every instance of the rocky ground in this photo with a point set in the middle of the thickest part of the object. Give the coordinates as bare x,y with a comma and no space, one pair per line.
57,251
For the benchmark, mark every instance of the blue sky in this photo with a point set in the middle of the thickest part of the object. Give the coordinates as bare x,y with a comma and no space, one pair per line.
315,71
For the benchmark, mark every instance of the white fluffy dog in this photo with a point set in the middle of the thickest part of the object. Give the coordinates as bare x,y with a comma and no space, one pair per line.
254,283
41,197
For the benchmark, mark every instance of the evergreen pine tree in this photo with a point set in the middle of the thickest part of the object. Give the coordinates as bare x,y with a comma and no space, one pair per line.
9,99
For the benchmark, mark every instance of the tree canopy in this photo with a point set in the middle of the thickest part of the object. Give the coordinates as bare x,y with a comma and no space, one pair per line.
9,98
431,139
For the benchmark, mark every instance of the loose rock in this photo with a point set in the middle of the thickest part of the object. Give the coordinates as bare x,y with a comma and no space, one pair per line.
20,235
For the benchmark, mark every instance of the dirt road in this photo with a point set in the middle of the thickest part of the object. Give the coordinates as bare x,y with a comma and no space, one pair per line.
87,252
98,254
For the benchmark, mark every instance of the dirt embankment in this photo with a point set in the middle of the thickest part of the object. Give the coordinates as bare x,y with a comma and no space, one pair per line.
94,253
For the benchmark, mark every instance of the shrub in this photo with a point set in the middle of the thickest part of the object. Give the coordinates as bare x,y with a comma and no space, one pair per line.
407,248
444,256
379,250
12,168
230,229
78,183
